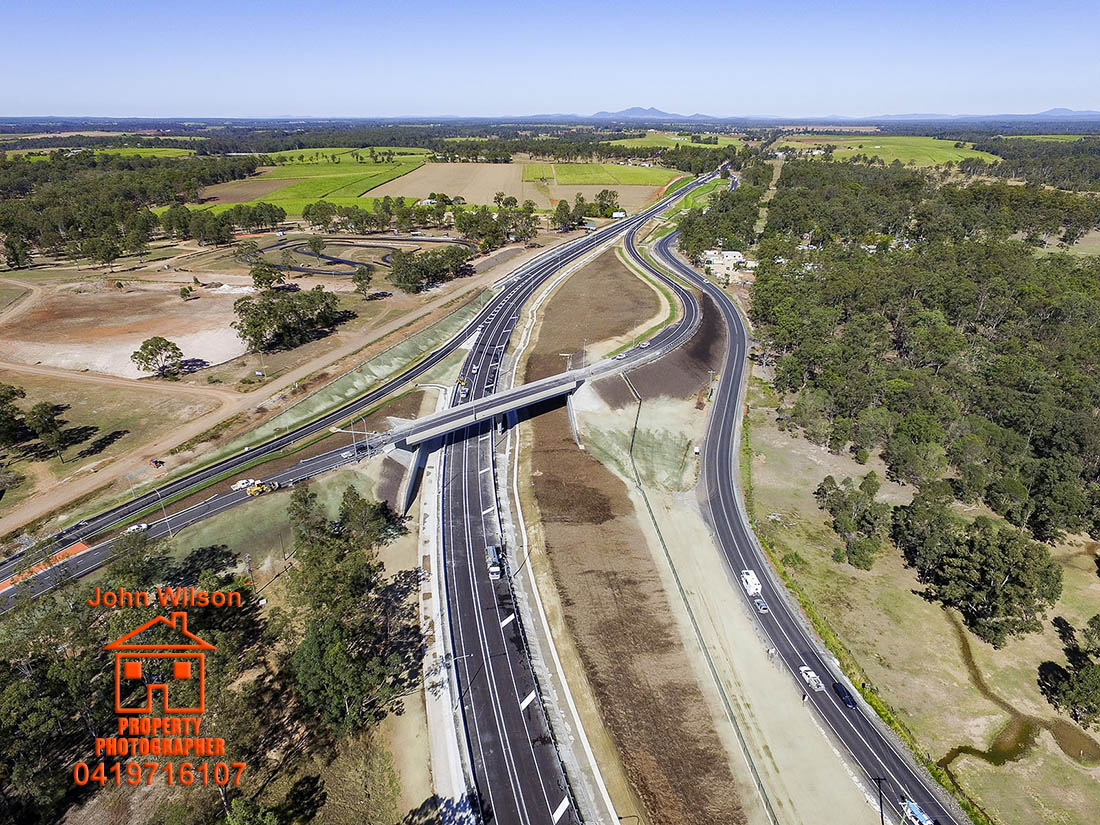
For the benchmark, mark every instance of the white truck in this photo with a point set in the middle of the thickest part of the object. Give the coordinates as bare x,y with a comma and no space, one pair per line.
811,678
493,561
750,582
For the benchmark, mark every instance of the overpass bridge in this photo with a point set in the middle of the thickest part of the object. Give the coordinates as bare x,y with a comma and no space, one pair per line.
453,418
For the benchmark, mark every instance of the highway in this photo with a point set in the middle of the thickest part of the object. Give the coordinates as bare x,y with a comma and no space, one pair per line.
877,754
517,771
515,290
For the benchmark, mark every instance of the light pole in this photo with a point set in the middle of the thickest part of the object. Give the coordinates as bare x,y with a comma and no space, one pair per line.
878,780
164,510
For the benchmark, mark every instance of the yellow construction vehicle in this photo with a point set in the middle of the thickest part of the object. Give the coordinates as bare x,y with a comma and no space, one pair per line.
262,487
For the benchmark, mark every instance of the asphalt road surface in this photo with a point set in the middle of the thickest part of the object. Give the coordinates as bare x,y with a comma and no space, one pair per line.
876,753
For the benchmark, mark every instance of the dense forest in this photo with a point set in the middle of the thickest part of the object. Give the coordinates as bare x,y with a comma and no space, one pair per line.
974,360
1069,164
727,222
909,315
869,203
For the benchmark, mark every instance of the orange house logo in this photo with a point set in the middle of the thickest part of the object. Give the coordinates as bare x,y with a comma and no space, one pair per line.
187,658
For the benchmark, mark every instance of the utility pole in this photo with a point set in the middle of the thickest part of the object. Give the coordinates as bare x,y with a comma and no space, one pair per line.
878,780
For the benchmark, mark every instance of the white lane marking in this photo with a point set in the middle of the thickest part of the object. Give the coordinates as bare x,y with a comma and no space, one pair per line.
484,470
562,808
495,698
486,511
530,697
508,621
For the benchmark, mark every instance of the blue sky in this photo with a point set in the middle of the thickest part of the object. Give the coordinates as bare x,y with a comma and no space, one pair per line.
490,57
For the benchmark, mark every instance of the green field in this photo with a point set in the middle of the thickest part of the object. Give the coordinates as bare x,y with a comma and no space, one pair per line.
915,151
350,179
1057,138
534,172
340,183
157,152
598,174
698,198
294,206
670,139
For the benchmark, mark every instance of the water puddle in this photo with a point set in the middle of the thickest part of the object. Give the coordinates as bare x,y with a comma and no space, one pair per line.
1018,736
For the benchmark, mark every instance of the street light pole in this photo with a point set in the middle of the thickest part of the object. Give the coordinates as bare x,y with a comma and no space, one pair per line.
878,780
164,510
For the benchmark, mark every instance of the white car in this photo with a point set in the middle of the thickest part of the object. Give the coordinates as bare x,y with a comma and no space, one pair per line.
136,528
244,484
761,606
643,345
347,454
811,678
621,356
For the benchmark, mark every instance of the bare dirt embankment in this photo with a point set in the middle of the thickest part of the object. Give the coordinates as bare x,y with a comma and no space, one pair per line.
96,326
614,602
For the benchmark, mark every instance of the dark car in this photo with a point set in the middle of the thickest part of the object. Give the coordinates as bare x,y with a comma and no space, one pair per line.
844,694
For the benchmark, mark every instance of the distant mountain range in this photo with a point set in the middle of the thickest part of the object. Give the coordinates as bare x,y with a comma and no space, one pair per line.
638,113
652,114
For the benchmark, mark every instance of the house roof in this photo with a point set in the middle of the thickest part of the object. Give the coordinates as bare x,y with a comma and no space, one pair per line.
178,623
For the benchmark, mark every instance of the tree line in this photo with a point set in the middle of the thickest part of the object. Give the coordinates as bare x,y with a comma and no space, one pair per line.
489,229
1070,164
861,203
416,271
385,212
208,227
727,222
88,205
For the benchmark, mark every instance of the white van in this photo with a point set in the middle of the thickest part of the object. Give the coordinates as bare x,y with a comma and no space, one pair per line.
493,561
